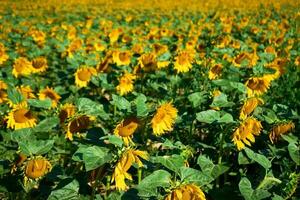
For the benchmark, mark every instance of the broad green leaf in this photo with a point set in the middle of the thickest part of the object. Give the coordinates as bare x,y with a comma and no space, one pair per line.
260,159
221,101
230,85
209,168
113,139
294,152
141,105
46,104
92,156
197,98
148,186
173,162
211,116
14,96
242,159
68,192
35,147
246,188
290,138
22,134
90,107
190,175
121,103
47,124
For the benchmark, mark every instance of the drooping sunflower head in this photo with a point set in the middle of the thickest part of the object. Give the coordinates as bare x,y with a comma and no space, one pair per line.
66,111
164,119
244,134
39,64
186,192
280,129
215,71
126,128
126,84
249,106
258,85
51,94
240,59
159,49
78,125
148,61
3,55
37,167
121,57
20,117
83,76
22,67
3,94
26,91
183,61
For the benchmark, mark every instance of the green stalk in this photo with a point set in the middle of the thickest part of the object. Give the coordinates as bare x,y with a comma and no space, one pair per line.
140,170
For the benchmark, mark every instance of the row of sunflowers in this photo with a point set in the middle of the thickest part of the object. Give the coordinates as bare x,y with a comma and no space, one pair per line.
168,105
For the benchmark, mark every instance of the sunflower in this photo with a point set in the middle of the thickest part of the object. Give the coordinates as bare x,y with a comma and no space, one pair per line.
147,61
215,94
51,94
20,117
279,130
215,71
249,106
258,85
240,59
83,76
66,111
278,65
37,167
164,119
74,46
3,55
126,84
3,94
186,192
114,35
26,91
121,57
159,49
38,36
39,65
244,134
126,128
183,61
22,67
77,125
129,157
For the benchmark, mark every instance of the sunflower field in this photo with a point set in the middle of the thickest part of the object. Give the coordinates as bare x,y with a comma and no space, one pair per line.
173,100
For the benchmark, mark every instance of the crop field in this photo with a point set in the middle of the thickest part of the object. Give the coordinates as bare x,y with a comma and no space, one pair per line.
173,100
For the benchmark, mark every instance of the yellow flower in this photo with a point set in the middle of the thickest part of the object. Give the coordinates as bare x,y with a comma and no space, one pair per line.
20,117
78,125
114,35
51,94
162,64
3,94
37,167
279,130
66,111
83,76
164,119
183,61
3,56
121,57
215,71
258,85
74,46
126,128
159,49
215,94
244,134
186,192
38,36
39,65
126,84
129,157
26,92
249,106
240,58
22,67
147,61
278,65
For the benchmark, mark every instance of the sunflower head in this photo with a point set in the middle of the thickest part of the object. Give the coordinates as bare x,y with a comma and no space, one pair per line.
78,125
83,76
147,62
3,94
183,61
37,168
51,94
280,129
164,119
20,117
3,55
249,106
22,67
66,111
126,128
258,85
215,71
39,65
121,57
126,84
186,192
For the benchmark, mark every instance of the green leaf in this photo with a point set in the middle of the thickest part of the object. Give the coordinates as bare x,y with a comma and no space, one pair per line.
246,188
148,186
211,116
68,192
230,85
260,159
173,162
90,107
14,95
141,105
294,153
190,175
197,98
113,139
242,159
46,103
209,168
47,124
121,103
35,147
22,134
221,101
92,156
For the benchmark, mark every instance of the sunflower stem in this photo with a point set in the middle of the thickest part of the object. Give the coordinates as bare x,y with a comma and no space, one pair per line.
222,136
95,185
140,170
108,179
